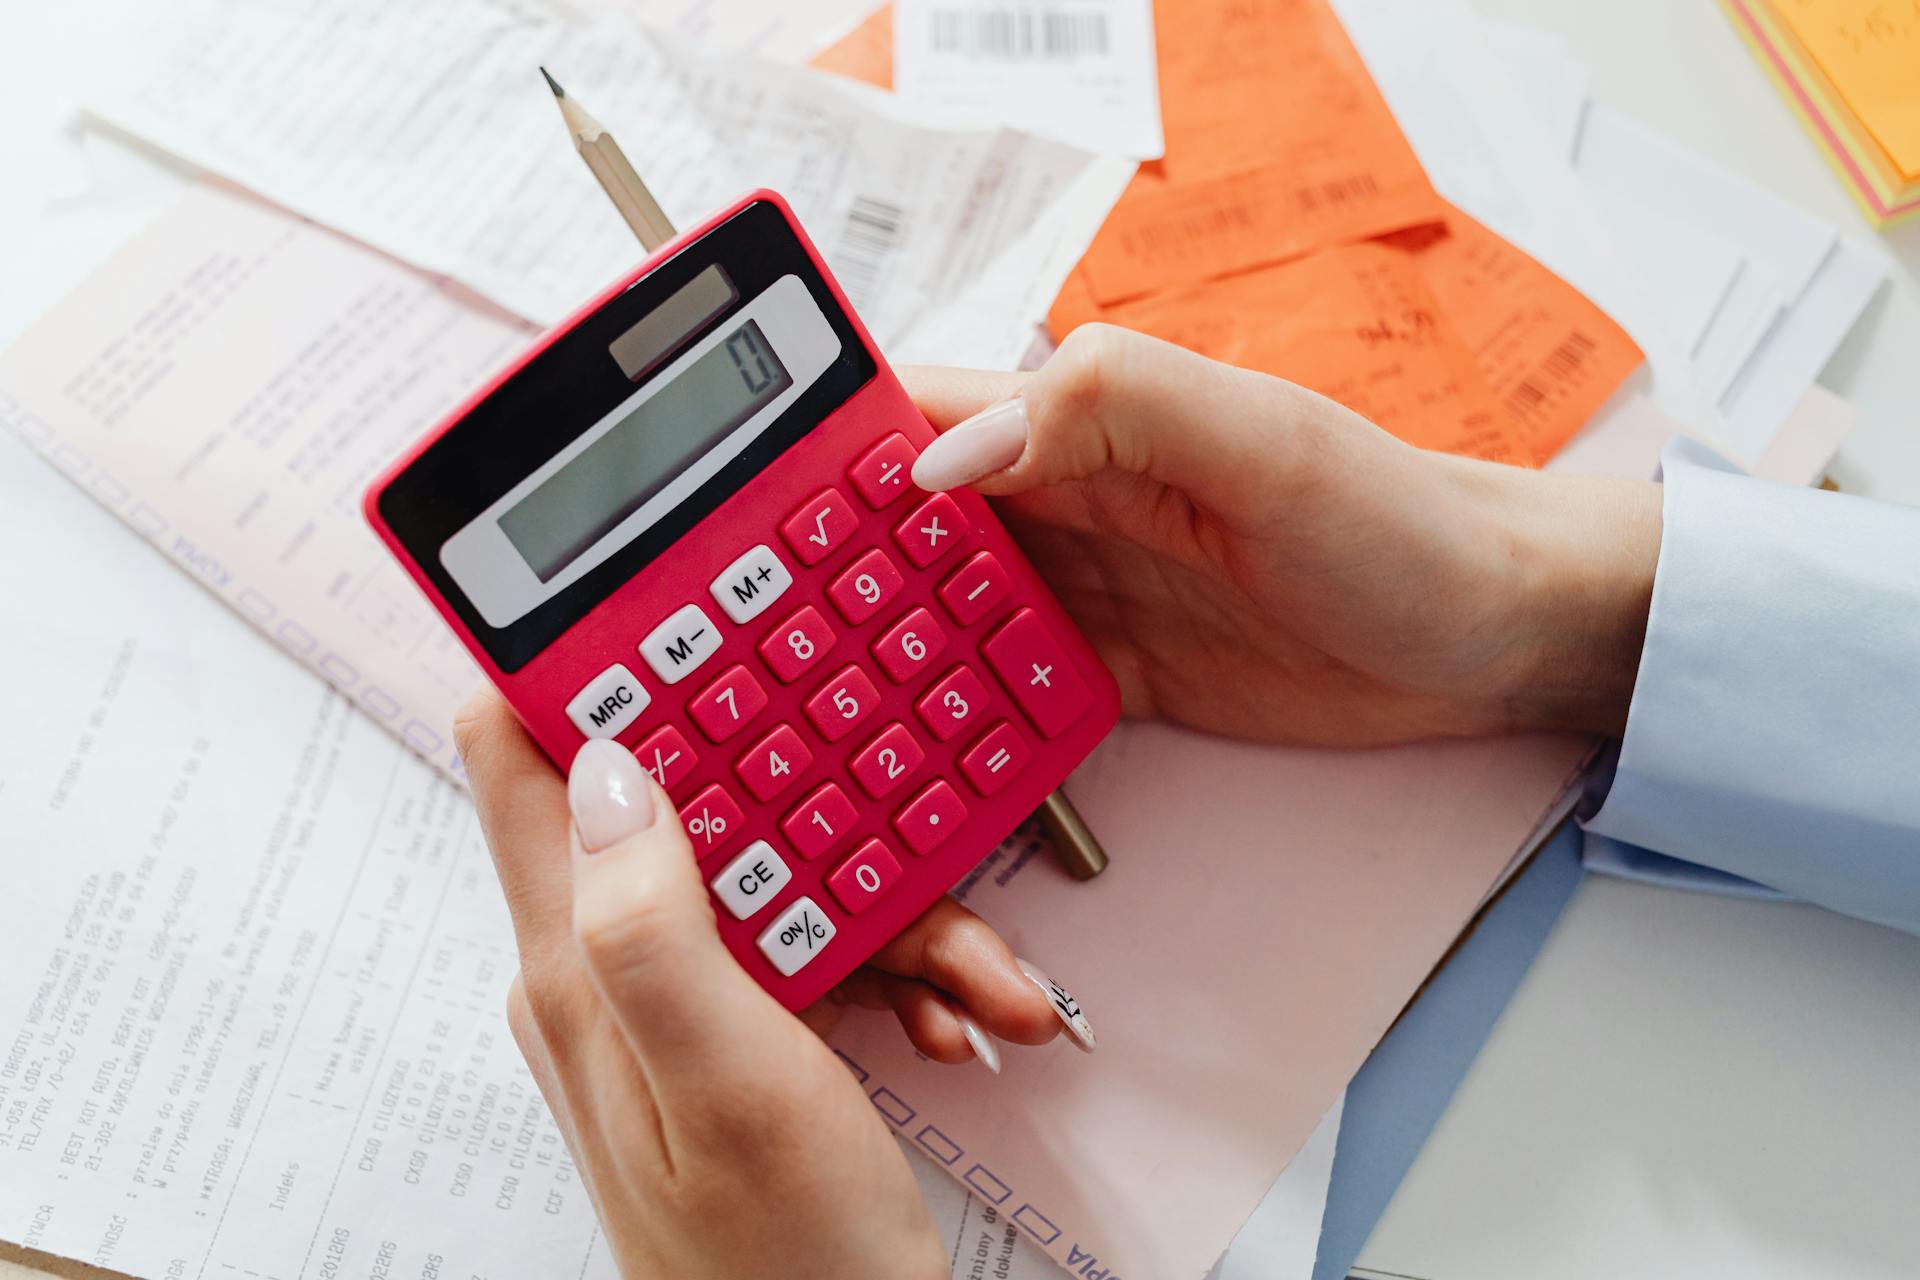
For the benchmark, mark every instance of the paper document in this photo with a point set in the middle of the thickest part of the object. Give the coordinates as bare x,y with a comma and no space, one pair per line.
1233,1000
1082,72
424,130
227,385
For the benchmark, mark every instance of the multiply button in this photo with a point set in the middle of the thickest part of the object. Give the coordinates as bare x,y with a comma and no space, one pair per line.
609,703
680,644
818,528
792,941
751,881
750,584
935,528
884,472
1033,666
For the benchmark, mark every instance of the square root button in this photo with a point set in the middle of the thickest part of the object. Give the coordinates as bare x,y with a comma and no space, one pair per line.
796,936
1037,671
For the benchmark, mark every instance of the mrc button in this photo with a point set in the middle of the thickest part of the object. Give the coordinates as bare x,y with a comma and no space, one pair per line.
609,704
752,880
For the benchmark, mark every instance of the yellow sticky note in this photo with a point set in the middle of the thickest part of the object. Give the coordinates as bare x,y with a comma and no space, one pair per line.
1870,51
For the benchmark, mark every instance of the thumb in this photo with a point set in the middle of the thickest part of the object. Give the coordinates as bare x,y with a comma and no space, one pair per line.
1110,398
645,929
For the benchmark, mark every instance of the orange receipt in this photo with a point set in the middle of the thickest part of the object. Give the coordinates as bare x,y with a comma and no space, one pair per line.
1357,324
864,53
1550,356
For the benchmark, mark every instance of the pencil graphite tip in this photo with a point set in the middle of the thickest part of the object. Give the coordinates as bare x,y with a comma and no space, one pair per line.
553,84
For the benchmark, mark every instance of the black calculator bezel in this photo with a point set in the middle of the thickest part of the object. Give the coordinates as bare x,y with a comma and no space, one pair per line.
574,383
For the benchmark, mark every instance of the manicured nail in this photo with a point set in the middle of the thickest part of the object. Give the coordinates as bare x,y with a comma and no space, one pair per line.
991,440
609,795
983,1046
1064,1005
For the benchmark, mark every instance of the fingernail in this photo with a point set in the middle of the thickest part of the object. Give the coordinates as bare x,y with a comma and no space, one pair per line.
991,440
609,795
983,1046
1064,1005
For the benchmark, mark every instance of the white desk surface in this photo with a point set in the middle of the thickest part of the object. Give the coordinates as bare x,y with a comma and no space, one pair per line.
1684,1086
1689,1086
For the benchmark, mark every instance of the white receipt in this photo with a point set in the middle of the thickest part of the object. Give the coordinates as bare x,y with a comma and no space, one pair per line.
1084,72
424,130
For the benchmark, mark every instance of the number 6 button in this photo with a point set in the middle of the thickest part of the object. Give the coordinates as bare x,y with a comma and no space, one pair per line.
909,645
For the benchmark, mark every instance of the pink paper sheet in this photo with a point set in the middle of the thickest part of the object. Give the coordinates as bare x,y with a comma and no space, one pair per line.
1267,915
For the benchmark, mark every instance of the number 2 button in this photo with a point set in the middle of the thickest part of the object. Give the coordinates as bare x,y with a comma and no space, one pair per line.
795,645
887,761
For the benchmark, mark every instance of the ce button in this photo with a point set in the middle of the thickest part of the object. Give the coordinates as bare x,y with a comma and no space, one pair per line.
752,880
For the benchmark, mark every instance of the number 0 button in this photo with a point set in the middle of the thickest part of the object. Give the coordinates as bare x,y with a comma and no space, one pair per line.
869,873
909,644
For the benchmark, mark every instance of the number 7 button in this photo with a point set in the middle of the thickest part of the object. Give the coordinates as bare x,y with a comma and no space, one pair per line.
1036,670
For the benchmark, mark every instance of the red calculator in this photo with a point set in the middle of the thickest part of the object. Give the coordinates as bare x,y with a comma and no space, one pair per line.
685,521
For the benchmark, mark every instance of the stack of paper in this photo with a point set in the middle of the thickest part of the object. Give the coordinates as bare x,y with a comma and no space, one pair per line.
1851,71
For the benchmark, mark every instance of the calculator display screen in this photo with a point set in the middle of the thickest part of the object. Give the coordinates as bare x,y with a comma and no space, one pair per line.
637,457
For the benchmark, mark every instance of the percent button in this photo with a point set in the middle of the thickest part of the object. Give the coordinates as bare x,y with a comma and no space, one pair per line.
800,933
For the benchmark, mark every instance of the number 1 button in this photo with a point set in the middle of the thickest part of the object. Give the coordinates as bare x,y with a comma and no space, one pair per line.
821,822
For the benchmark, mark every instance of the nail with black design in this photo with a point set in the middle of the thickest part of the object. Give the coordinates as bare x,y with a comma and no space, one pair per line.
1065,1007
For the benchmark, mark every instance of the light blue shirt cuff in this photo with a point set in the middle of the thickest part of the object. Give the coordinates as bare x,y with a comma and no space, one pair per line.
1774,734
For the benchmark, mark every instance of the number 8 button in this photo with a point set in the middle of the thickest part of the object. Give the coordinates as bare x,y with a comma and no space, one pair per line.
795,645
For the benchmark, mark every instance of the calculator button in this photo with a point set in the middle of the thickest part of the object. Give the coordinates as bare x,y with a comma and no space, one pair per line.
974,589
870,872
885,472
884,764
712,819
909,645
611,701
748,587
796,937
993,760
724,707
868,586
958,701
774,763
792,648
664,753
681,643
819,528
935,528
1031,663
821,822
842,703
930,817
751,881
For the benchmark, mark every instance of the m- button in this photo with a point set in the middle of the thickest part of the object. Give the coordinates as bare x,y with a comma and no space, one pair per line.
611,702
1031,663
680,644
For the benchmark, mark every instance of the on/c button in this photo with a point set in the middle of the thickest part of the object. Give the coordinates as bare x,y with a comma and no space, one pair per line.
752,880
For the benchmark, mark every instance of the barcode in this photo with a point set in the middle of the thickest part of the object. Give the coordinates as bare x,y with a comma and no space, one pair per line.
1019,33
866,241
1337,194
1561,364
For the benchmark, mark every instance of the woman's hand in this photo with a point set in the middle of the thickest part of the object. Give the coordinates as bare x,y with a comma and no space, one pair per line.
717,1134
1253,559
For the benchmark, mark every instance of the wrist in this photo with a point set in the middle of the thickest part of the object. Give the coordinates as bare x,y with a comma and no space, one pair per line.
1585,549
